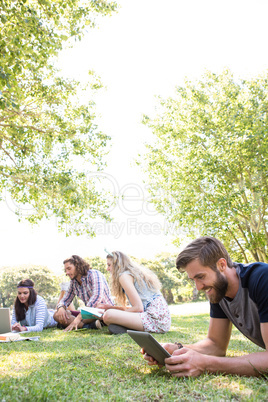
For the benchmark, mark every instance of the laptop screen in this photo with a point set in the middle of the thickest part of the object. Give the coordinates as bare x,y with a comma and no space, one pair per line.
5,325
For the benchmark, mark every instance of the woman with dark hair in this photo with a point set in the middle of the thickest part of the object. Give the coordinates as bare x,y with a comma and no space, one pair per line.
30,312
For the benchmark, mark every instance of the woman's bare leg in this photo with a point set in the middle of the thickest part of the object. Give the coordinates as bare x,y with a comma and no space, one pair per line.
129,320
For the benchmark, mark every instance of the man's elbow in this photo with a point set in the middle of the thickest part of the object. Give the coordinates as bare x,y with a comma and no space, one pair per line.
221,350
222,353
217,349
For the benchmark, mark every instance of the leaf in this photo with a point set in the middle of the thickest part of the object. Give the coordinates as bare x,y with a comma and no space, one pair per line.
209,160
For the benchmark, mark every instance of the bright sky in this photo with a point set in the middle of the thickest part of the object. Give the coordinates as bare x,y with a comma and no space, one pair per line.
145,50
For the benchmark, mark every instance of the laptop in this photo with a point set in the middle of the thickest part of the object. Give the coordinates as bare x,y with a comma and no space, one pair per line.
5,327
5,324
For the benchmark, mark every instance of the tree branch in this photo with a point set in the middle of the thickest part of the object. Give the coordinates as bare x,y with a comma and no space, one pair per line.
8,155
239,245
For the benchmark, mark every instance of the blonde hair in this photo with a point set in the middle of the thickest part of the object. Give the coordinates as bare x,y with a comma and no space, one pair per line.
143,275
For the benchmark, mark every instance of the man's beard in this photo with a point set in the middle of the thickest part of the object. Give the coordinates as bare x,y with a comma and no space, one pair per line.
75,274
220,287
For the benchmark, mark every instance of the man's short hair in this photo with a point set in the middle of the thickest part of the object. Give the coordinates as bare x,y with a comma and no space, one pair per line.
207,250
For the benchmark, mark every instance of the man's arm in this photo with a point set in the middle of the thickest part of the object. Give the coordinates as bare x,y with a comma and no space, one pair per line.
217,341
188,362
61,315
67,298
215,344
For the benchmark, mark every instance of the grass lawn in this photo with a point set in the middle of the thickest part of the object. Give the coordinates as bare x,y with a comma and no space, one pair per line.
95,366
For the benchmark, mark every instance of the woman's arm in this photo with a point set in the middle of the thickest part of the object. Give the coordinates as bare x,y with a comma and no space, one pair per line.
41,309
109,307
127,283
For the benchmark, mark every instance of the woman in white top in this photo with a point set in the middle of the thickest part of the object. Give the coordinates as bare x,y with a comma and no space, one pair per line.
148,310
30,312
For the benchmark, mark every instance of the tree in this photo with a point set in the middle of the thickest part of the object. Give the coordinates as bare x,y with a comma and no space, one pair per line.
176,286
46,129
98,263
210,161
46,283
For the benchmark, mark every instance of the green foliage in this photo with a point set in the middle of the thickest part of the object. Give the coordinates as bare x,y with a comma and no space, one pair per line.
93,365
46,128
208,166
175,285
46,283
99,264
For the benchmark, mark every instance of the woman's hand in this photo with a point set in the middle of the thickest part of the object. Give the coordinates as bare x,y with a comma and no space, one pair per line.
18,327
104,306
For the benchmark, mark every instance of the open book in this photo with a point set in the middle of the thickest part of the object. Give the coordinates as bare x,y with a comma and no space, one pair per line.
91,312
15,337
10,336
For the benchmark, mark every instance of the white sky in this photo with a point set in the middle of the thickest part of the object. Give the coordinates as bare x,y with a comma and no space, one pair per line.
146,49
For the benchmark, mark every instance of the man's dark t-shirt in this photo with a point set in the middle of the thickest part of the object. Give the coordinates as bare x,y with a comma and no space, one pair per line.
249,308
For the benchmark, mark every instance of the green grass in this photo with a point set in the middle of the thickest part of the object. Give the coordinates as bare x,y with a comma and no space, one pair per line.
95,366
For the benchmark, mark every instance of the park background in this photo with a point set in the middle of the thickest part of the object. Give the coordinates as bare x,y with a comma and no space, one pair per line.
143,50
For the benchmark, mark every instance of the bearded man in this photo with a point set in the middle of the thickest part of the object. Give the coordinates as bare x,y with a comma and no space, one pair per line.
238,295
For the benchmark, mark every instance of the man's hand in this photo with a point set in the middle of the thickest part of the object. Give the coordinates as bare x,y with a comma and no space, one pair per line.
183,362
170,347
74,325
62,315
186,362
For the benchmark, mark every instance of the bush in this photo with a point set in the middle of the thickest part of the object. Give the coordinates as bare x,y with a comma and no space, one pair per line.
46,283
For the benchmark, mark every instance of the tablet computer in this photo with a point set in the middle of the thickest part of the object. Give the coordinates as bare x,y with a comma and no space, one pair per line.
150,345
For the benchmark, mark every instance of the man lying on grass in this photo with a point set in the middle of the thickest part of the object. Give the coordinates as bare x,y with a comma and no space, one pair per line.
238,294
89,285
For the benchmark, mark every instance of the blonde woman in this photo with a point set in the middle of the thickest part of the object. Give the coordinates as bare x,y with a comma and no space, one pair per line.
147,310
